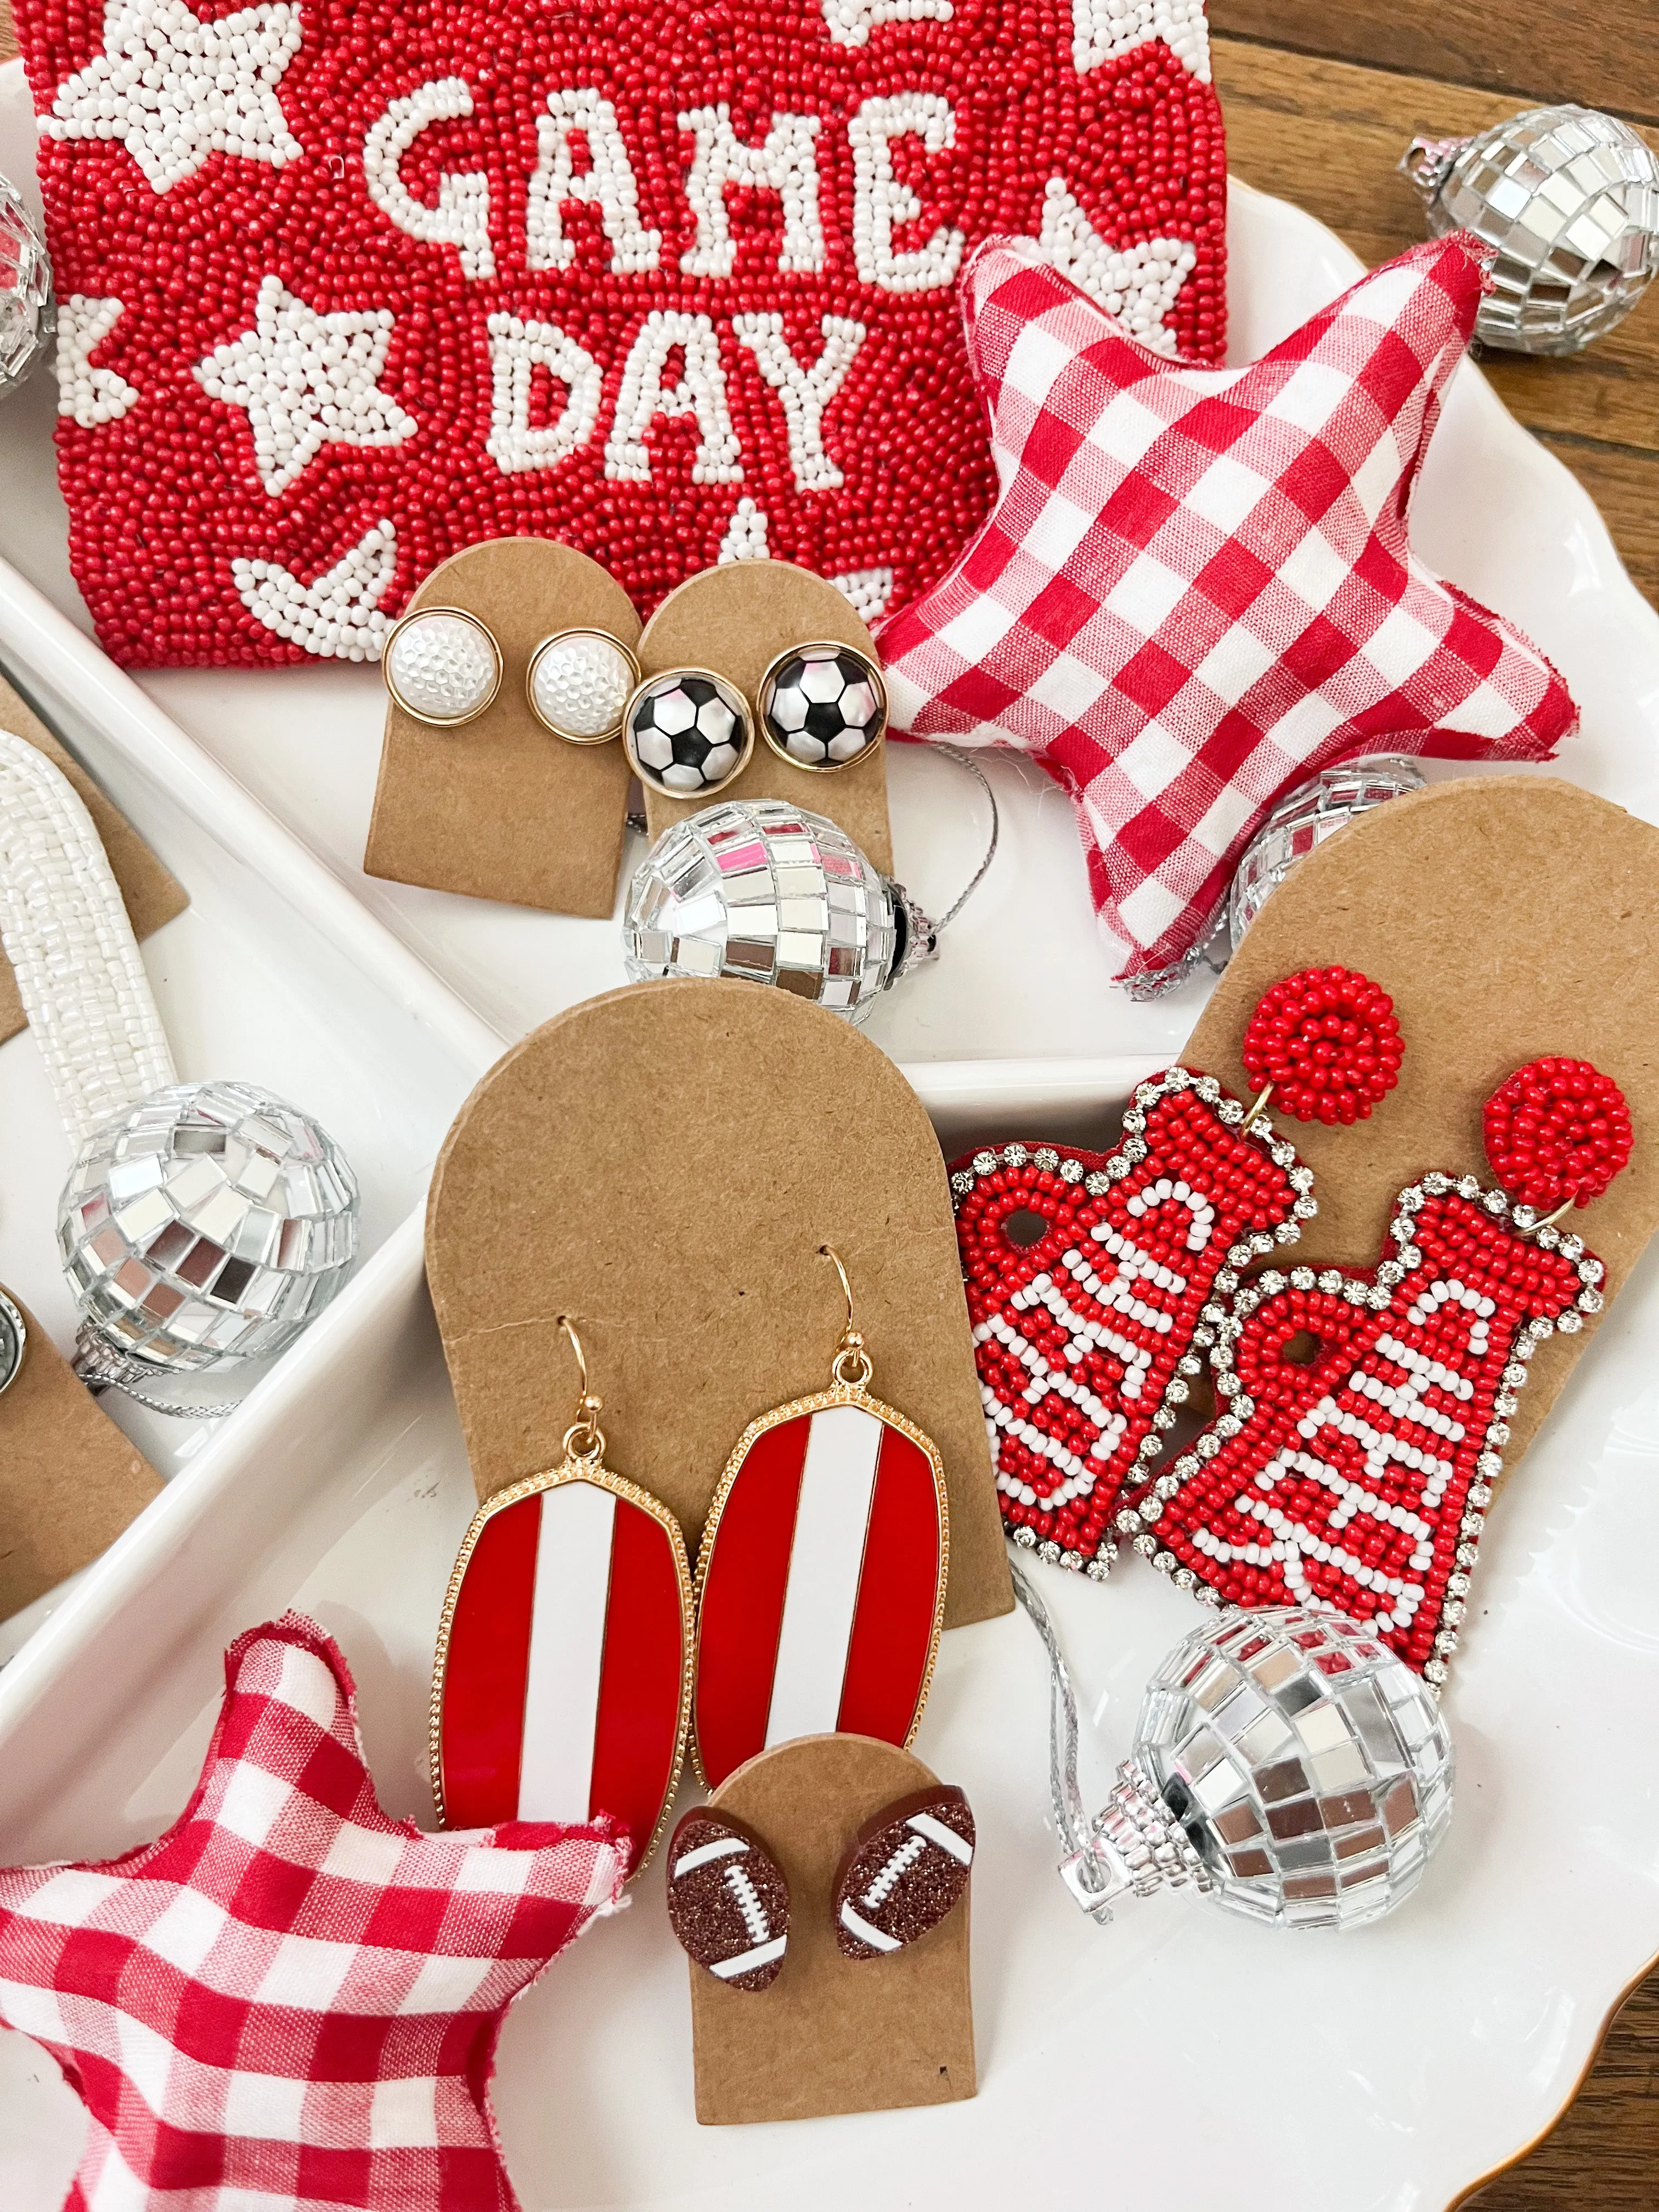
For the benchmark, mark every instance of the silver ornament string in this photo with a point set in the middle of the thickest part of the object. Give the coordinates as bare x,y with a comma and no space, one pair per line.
966,760
1081,1870
637,821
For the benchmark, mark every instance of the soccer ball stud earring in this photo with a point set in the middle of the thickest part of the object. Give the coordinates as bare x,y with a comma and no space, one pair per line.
688,733
823,706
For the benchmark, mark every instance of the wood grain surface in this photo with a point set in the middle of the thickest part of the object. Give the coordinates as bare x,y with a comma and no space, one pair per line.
1320,98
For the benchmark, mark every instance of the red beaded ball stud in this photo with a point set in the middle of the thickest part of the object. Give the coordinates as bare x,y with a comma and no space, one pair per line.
1556,1133
1324,1045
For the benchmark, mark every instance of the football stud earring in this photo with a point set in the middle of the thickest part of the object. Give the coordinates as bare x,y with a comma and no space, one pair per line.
441,666
688,733
823,706
821,1577
562,1688
577,684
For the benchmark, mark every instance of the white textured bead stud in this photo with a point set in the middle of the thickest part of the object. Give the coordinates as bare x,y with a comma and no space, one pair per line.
579,684
823,706
687,731
14,1335
442,666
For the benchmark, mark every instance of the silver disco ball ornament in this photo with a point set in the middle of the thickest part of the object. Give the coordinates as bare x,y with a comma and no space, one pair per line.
1571,200
1306,817
209,1222
1287,1764
28,316
760,889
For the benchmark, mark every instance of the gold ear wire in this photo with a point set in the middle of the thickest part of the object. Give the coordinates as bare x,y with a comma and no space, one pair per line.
852,1362
587,1406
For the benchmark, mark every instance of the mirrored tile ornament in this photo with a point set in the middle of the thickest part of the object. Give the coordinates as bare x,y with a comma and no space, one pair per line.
688,733
1570,198
209,1222
764,890
823,706
1285,1763
1304,818
14,1336
442,666
579,683
28,313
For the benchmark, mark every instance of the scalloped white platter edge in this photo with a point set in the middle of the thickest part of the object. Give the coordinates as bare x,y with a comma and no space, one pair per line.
1175,2057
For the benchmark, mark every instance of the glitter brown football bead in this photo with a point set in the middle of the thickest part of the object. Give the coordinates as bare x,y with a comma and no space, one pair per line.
728,1902
906,1869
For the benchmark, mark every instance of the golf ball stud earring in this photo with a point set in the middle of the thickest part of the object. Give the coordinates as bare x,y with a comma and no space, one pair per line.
579,683
823,706
442,666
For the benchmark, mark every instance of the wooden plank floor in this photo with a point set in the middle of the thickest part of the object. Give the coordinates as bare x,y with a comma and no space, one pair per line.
1320,98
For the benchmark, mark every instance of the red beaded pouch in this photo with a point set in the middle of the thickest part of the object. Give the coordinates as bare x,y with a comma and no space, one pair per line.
345,288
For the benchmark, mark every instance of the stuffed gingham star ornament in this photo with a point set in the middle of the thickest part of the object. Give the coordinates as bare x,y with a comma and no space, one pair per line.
290,2003
1197,587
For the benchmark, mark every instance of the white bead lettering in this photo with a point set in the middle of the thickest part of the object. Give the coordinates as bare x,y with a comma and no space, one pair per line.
882,203
784,162
461,218
700,392
805,392
607,184
517,350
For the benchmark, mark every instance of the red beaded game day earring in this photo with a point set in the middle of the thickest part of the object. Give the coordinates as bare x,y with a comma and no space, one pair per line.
1359,1478
1091,1275
821,1579
562,1684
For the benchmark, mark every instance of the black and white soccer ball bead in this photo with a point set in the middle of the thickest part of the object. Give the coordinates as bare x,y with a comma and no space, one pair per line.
688,733
823,706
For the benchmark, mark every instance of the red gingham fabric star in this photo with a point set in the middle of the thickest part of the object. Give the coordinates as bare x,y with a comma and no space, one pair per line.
1198,588
290,2003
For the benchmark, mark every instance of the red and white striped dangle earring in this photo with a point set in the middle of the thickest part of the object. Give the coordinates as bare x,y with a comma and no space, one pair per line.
1092,1278
1356,1476
821,1577
562,1688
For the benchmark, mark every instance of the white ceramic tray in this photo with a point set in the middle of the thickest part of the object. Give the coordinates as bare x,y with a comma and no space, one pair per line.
1175,2058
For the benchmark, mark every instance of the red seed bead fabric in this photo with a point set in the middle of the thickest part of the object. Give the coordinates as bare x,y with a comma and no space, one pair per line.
1364,1420
1088,1276
1558,1130
345,287
1327,1040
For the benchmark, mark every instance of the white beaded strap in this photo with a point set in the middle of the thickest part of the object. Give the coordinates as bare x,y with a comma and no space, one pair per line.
66,933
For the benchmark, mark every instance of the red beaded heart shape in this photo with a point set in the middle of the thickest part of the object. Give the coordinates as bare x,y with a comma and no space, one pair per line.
1088,1277
1358,1476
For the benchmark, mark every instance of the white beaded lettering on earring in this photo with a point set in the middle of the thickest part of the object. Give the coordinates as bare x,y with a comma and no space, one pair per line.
850,22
